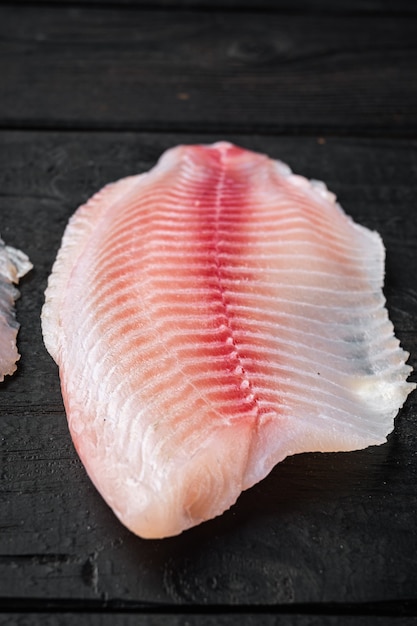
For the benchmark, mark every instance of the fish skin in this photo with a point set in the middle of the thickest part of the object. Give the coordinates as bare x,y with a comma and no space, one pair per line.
209,318
13,265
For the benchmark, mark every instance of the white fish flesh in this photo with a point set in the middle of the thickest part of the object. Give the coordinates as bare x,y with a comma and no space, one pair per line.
13,265
209,318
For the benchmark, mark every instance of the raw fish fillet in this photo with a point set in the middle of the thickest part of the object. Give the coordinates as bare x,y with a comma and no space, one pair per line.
13,265
209,318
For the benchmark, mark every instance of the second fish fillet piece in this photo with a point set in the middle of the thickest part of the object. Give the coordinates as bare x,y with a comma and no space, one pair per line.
13,265
210,318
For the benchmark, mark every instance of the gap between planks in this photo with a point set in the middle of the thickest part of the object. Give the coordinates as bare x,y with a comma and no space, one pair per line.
212,129
384,608
401,8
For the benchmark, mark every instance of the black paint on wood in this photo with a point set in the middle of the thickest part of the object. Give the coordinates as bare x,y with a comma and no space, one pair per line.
91,67
325,539
322,528
289,6
199,619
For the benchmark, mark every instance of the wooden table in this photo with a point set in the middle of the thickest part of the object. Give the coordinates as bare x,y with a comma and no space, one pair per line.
92,91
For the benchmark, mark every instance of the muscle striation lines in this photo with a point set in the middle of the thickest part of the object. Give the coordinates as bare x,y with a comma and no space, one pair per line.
214,252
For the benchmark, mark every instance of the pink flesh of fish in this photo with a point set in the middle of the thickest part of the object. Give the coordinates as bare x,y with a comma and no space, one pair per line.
13,265
209,318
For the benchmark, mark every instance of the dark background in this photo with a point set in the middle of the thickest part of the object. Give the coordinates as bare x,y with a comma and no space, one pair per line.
92,91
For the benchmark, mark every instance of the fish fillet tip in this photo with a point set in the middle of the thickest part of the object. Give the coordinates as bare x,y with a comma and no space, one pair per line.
225,150
162,516
164,526
155,500
21,262
14,264
12,369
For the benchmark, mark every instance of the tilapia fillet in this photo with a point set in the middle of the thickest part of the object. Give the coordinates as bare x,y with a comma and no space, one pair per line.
13,265
209,318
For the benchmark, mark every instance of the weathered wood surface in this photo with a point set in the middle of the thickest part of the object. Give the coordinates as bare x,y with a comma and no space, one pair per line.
325,539
197,619
143,69
322,528
307,6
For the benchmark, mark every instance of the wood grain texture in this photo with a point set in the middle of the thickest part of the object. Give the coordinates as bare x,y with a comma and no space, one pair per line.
313,6
321,528
101,67
198,619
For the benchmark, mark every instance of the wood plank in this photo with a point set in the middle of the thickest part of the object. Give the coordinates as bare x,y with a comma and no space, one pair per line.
313,6
200,619
321,528
94,67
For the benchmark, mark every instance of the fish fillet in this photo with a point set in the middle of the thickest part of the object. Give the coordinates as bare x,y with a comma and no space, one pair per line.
13,265
209,318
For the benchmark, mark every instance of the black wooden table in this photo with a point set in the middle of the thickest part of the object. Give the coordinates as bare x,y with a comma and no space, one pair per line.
92,91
